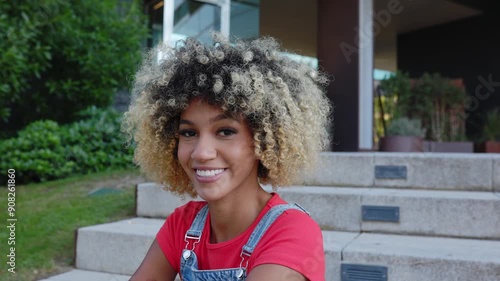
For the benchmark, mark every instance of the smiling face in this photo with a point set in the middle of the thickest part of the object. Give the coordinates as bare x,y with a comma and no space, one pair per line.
216,152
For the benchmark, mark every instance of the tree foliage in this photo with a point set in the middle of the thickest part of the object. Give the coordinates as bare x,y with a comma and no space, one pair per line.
59,57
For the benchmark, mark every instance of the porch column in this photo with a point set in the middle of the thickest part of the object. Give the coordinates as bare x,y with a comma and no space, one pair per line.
346,55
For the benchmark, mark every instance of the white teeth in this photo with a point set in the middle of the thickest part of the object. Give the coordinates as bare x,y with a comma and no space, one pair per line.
209,173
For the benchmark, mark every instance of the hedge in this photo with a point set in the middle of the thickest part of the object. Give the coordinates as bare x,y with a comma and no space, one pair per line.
45,150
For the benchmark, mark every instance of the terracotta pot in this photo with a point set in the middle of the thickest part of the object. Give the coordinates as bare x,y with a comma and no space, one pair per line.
489,147
401,144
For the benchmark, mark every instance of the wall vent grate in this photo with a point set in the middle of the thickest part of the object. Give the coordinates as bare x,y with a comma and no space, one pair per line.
390,172
360,272
380,213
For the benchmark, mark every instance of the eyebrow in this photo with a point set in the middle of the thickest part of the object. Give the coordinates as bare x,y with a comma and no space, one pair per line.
212,120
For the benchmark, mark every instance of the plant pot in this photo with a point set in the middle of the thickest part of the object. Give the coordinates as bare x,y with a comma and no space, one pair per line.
488,147
451,146
401,144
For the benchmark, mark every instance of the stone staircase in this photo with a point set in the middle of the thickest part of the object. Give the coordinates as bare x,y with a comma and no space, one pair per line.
385,216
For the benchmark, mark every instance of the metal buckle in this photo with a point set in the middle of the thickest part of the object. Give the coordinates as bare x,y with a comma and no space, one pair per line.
243,253
186,237
240,273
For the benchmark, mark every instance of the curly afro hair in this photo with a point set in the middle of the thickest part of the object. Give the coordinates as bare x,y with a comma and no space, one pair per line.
282,100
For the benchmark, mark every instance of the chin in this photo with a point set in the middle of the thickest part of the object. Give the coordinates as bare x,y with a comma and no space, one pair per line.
210,193
209,197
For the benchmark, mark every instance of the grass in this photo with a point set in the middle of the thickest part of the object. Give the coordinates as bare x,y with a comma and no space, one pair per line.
49,213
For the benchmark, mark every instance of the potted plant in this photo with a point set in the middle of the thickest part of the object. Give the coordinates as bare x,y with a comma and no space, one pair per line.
396,92
392,94
439,103
403,135
491,133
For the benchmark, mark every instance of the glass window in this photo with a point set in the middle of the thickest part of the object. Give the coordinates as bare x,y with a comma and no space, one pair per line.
195,19
154,9
244,23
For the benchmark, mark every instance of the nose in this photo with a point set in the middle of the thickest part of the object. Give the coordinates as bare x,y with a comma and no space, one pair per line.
204,149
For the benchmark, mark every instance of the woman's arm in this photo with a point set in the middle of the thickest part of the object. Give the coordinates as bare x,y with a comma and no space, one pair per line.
154,267
274,272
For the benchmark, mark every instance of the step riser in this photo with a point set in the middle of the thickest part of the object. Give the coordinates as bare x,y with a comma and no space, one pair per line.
120,259
82,275
407,258
431,213
462,218
409,268
443,171
152,201
112,252
451,217
87,275
429,259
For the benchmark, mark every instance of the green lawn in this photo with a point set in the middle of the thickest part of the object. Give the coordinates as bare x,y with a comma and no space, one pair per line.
49,213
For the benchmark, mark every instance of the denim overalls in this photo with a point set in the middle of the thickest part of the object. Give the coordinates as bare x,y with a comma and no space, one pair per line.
189,263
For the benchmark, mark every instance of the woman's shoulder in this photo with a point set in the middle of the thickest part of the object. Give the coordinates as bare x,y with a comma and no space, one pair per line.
188,210
276,200
292,239
294,219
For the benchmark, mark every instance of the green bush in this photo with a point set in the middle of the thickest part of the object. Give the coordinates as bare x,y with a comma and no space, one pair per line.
45,150
59,57
491,128
96,143
397,95
435,100
406,127
36,154
439,103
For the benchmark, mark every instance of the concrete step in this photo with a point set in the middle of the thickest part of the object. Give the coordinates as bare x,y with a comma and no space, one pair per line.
458,214
119,248
461,214
85,275
441,171
412,258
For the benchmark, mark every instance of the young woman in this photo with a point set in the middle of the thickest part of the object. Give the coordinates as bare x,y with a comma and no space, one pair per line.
217,122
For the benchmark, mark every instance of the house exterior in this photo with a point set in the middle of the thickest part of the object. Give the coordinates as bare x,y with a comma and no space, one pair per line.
351,39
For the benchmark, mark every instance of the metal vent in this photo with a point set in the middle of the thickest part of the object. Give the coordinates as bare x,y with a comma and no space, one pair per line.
360,272
380,213
390,172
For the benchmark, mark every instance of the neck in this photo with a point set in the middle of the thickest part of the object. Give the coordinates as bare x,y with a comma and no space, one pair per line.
230,218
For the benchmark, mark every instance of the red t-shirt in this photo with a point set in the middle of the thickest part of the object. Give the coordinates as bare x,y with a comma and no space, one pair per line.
294,240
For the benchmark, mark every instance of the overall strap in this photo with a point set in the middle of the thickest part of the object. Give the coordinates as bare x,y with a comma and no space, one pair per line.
196,227
265,223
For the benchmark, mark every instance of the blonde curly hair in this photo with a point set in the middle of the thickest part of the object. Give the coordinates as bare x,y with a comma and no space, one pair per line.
282,101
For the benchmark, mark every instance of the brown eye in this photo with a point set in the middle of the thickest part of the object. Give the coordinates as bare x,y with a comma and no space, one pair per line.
226,132
187,133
